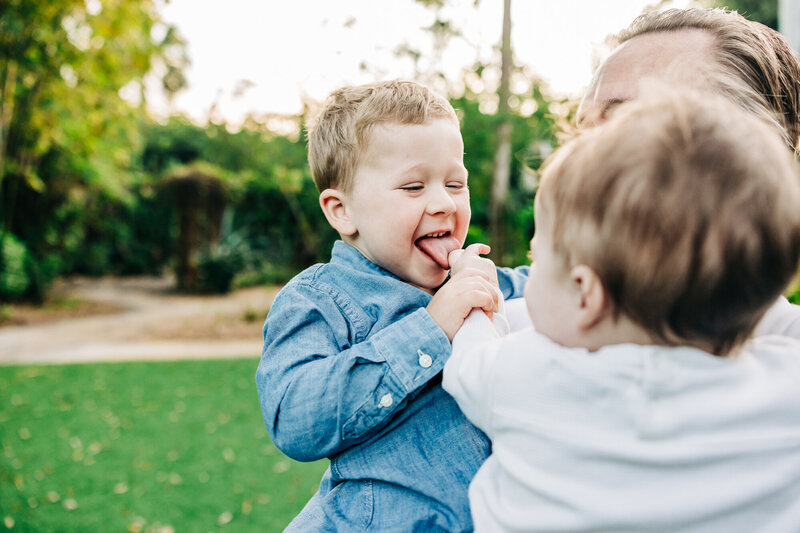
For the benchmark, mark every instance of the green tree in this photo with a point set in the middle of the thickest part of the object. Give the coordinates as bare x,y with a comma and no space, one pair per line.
276,210
67,137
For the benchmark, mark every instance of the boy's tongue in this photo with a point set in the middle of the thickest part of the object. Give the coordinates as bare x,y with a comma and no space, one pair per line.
438,248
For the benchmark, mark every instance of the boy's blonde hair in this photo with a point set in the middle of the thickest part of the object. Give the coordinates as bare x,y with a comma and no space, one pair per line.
339,134
755,65
688,209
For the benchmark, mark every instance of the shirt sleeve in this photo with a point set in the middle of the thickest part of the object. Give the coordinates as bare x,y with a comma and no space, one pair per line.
467,374
783,318
512,281
322,388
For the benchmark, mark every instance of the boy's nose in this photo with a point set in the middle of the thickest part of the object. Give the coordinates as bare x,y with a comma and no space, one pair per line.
441,202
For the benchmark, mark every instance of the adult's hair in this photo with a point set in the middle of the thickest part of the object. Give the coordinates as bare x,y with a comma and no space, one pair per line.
339,134
758,69
686,207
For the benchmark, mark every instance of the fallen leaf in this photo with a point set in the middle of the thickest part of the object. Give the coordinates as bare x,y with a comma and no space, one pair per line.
247,507
225,518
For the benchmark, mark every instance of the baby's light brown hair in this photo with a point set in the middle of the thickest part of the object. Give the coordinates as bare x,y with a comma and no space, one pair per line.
688,209
339,134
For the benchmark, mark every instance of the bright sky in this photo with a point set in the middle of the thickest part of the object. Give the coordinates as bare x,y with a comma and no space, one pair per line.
263,56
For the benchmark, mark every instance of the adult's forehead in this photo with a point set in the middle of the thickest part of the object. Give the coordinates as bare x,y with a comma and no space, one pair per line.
673,57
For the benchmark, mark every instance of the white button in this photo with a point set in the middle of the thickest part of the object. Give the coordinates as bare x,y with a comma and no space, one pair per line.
425,360
386,400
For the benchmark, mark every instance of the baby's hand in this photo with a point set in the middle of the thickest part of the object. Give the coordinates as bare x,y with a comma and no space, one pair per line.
470,257
472,283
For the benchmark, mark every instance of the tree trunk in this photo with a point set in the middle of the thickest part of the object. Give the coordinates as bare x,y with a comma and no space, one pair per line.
7,90
8,82
502,157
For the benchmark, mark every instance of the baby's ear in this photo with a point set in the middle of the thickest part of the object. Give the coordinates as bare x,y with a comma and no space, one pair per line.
593,301
333,204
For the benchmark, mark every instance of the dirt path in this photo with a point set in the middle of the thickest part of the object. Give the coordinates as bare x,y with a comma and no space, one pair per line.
154,323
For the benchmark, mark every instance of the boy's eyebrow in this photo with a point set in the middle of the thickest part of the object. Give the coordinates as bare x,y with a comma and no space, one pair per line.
421,166
409,172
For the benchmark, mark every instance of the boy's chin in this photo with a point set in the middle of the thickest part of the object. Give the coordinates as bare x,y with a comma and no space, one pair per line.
429,285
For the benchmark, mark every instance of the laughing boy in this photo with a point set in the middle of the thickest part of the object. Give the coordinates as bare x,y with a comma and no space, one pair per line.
354,348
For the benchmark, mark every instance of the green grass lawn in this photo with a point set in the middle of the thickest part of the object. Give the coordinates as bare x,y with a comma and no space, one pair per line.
142,447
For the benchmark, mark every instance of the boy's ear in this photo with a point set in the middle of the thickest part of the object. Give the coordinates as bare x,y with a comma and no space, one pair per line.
594,304
333,204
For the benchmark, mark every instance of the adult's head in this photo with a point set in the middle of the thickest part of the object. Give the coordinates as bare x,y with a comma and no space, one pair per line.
745,61
679,215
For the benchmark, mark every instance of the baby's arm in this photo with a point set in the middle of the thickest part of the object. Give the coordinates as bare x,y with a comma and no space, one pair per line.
467,373
320,393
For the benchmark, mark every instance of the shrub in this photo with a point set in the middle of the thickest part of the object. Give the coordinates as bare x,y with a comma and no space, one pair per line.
14,280
218,270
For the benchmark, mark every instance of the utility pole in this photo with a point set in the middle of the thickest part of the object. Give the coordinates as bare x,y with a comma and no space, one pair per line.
789,22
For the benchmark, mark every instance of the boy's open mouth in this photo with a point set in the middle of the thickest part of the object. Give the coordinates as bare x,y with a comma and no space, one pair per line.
438,246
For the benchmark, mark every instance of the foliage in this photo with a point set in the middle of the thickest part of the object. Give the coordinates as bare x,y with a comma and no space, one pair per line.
142,447
13,258
763,11
794,295
219,265
275,209
217,271
67,137
199,193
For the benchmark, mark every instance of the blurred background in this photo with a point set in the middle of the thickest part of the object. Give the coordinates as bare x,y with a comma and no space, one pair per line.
155,194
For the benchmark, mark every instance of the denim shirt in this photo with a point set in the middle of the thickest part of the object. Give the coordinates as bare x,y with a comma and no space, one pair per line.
351,370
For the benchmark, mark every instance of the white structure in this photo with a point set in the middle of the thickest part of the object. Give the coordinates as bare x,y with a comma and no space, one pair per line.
789,22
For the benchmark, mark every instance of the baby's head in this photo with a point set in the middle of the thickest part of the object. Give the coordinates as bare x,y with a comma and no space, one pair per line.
387,158
676,222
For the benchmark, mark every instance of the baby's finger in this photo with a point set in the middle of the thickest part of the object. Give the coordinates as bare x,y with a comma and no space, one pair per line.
478,249
454,256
